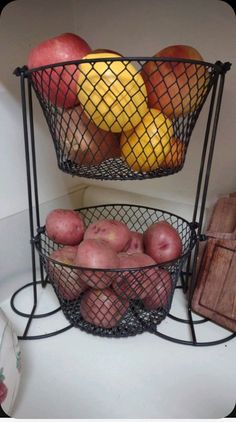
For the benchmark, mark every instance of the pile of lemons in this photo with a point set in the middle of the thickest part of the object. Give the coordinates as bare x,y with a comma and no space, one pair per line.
114,96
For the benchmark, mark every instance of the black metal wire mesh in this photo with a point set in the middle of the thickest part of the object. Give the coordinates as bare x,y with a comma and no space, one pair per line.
116,302
122,118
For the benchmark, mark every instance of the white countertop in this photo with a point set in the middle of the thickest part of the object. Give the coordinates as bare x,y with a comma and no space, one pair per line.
78,375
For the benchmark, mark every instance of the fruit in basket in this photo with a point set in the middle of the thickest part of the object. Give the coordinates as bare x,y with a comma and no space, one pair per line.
82,141
114,232
131,283
135,243
112,93
102,308
104,50
176,155
65,253
66,279
145,148
159,291
65,226
175,88
58,84
162,242
95,255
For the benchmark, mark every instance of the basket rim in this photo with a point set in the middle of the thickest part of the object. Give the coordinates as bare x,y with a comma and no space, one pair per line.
192,239
123,204
122,58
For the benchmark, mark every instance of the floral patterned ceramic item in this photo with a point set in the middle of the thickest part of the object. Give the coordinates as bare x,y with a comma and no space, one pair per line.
10,364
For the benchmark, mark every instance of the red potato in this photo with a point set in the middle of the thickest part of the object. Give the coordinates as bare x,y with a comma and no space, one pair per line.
135,243
134,284
82,141
58,84
65,226
159,291
96,254
162,242
102,308
67,253
67,280
114,232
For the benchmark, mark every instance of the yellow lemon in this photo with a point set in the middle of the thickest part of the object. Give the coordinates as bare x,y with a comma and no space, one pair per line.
145,148
112,93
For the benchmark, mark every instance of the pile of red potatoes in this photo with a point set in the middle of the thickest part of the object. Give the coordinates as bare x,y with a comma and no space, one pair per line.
108,265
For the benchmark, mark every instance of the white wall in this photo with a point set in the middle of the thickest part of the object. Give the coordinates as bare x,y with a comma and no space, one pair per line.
23,24
133,28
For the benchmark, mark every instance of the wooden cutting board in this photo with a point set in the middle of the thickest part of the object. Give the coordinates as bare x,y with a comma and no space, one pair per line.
223,220
215,292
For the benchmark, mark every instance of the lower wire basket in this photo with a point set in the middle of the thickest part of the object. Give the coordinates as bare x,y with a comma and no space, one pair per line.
116,302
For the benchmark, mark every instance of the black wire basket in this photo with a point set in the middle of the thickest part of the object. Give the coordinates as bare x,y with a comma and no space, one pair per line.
116,302
122,118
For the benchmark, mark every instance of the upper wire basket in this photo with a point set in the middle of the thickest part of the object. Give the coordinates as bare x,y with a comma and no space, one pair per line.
116,302
122,118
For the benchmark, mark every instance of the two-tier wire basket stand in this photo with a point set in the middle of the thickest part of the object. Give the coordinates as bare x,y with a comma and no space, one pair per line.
113,110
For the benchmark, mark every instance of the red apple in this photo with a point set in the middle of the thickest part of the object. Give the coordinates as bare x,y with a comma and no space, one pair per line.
176,155
66,279
102,308
162,242
65,226
175,88
115,232
159,291
98,255
82,141
58,84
